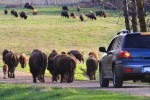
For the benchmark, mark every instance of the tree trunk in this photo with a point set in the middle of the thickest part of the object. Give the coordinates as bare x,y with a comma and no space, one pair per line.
126,15
141,16
134,16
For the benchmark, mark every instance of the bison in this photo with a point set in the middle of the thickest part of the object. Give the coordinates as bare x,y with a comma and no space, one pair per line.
5,70
92,65
26,4
23,15
5,51
65,14
65,8
5,11
52,54
63,65
73,15
14,13
23,60
30,7
81,17
35,11
78,8
100,13
12,61
91,15
37,64
77,54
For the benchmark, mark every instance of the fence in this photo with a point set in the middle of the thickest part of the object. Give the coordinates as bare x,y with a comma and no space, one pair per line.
42,2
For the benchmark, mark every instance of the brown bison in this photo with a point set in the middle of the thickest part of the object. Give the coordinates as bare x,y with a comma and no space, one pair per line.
73,15
52,54
37,64
63,65
77,54
63,52
65,14
23,15
35,11
5,11
100,13
5,70
14,13
12,61
81,17
78,8
92,65
23,60
65,8
91,15
5,51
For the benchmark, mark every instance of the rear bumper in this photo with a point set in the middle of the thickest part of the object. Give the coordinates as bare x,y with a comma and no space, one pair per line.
138,71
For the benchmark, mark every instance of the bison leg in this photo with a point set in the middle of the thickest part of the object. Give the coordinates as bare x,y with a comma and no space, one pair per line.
13,75
94,76
62,78
34,79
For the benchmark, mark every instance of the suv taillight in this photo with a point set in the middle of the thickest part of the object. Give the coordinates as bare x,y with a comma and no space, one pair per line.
124,54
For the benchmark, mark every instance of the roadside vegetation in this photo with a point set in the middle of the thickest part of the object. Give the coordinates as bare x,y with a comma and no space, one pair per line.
28,92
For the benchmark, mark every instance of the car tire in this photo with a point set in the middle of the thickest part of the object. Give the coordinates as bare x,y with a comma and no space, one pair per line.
117,82
104,82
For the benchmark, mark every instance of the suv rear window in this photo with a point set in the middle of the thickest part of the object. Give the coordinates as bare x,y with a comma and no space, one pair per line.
137,41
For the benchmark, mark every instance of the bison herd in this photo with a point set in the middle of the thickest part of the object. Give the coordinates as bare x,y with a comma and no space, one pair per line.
60,65
22,14
64,13
91,15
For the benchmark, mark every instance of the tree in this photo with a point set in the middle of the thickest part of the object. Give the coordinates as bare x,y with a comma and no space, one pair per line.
134,16
126,15
141,16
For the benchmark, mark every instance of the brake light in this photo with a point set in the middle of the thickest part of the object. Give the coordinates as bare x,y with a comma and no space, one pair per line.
124,54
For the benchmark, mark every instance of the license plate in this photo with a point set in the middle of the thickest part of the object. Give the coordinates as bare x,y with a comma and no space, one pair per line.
146,69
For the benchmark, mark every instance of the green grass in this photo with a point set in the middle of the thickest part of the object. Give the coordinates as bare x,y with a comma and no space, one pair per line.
47,31
28,92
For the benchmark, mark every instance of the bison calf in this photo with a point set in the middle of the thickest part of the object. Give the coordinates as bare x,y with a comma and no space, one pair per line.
23,60
5,70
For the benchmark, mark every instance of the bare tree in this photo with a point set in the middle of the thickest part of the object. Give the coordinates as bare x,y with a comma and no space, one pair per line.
126,15
141,16
134,16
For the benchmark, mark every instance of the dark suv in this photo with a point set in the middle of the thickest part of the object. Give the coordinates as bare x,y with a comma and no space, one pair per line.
127,58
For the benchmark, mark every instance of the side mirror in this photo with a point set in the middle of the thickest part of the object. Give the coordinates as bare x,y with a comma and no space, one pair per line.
102,49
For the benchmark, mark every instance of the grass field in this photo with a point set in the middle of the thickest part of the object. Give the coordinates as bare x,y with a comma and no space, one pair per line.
28,92
47,31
